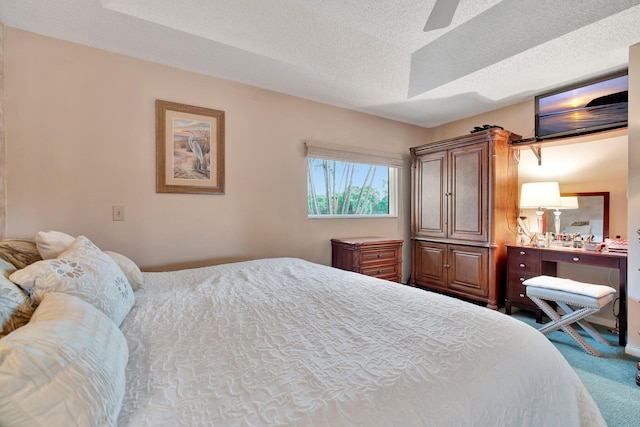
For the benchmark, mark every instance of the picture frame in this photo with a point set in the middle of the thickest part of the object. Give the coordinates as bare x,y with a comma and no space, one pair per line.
189,149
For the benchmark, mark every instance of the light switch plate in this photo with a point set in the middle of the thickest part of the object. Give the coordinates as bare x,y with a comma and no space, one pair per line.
118,213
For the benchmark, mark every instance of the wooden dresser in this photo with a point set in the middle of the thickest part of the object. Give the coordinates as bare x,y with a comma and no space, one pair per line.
372,256
463,213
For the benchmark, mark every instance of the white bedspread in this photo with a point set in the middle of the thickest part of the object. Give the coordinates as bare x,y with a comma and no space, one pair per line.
288,342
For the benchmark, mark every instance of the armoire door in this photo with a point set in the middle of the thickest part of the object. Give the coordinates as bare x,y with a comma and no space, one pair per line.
429,187
468,193
468,267
429,265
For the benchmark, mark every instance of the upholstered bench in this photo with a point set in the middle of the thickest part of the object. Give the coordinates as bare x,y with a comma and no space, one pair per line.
577,299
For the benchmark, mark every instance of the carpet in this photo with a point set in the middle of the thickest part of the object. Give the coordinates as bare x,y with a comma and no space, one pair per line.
609,378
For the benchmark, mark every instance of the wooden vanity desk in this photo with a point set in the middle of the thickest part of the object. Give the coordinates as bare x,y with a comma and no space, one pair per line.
524,262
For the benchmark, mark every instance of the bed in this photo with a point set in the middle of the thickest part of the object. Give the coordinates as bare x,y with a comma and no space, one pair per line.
288,342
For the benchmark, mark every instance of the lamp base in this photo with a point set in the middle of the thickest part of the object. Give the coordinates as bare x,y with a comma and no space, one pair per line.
540,214
556,221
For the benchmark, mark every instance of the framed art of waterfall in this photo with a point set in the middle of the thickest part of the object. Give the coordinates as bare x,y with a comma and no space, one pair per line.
591,106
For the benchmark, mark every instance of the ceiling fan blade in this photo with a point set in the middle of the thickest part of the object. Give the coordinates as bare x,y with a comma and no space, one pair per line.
441,14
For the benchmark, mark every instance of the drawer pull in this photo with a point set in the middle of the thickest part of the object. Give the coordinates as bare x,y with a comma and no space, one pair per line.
522,266
522,279
576,259
521,295
523,253
446,266
379,271
379,255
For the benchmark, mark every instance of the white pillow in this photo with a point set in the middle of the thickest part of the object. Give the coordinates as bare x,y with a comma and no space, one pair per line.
65,368
52,243
129,268
83,271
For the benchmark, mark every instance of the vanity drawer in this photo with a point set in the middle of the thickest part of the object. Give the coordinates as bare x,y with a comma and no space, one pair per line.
516,277
522,260
517,294
578,257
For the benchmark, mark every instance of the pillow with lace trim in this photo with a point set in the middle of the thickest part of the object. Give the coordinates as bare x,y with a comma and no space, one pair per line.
52,243
84,271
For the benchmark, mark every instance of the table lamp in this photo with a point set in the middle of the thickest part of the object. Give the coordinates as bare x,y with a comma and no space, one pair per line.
538,196
566,202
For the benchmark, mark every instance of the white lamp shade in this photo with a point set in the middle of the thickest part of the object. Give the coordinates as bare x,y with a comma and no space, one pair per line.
535,195
569,202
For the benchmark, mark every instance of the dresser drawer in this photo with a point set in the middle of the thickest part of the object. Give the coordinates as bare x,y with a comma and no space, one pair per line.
376,256
381,271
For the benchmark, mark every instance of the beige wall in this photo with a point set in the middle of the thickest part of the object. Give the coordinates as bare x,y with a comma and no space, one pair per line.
634,201
81,138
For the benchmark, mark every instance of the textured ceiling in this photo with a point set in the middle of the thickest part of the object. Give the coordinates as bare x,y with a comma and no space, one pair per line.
366,55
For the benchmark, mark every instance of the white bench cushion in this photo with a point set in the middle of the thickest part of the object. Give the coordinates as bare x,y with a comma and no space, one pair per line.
569,291
571,286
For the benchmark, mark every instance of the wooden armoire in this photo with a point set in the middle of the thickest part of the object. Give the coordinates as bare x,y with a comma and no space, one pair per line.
463,214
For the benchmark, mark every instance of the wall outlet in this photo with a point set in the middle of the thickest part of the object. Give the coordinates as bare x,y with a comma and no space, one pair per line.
118,213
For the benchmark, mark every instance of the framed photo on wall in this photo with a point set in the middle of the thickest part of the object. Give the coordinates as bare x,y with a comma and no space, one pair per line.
189,149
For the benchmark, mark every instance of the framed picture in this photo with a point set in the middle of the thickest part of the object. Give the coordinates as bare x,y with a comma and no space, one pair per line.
189,149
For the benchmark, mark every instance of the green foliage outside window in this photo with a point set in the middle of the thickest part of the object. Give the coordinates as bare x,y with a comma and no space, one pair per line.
342,188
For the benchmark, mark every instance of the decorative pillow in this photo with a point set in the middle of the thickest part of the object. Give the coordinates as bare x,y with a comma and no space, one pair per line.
129,268
65,368
52,243
15,305
83,271
19,252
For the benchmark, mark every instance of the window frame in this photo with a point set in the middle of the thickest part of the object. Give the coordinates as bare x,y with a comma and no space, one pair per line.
338,153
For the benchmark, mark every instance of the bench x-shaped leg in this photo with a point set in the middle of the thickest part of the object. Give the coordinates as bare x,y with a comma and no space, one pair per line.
564,322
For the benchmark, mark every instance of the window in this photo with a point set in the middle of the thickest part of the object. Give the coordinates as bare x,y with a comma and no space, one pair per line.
348,182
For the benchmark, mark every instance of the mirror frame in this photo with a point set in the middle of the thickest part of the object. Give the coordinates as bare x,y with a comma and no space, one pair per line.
605,214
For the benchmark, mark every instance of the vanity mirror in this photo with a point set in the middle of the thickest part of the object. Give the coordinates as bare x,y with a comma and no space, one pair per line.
591,216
